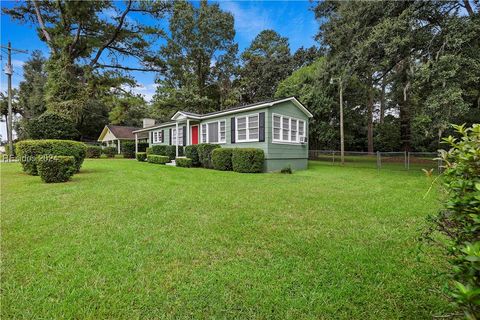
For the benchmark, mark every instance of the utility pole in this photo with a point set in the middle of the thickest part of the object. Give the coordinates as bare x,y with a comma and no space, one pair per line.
9,72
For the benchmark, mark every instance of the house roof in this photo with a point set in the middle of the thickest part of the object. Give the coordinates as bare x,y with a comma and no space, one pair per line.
120,132
251,106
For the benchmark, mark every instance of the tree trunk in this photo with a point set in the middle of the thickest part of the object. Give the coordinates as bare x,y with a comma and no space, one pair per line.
382,101
405,108
370,102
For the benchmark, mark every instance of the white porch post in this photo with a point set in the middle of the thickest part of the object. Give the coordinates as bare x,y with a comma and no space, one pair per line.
118,146
188,132
136,143
176,139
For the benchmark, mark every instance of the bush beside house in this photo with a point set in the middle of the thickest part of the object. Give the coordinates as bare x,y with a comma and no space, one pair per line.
222,159
191,152
53,169
141,156
205,154
157,159
128,148
93,152
247,160
183,162
28,150
164,150
109,152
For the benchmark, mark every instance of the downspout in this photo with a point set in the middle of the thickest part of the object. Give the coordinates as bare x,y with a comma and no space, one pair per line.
176,139
136,143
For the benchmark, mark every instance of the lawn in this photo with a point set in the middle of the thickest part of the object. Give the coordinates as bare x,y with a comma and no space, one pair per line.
130,240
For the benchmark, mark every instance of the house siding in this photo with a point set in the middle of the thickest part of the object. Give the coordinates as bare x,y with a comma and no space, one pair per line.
277,156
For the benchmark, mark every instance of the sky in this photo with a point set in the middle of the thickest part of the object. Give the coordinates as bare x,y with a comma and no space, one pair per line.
291,19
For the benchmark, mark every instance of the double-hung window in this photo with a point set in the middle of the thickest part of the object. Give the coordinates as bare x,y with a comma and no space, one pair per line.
287,129
157,136
180,136
247,128
213,132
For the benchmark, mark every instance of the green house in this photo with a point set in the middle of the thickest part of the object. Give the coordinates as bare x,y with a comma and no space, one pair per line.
279,127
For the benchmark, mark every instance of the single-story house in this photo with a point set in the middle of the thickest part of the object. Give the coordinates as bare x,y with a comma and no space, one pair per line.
278,127
113,136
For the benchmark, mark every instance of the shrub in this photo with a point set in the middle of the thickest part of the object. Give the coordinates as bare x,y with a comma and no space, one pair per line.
222,159
247,160
154,158
128,148
52,126
205,154
167,150
459,220
141,156
93,152
110,152
148,151
55,168
28,150
192,153
286,170
183,162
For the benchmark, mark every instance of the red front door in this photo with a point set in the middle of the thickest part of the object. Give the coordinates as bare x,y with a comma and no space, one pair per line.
194,134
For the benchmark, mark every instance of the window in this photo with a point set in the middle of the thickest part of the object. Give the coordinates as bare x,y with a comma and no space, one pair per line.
157,136
213,132
247,128
287,129
180,136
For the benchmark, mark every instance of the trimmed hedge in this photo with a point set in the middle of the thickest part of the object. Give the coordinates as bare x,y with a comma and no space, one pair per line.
54,169
141,156
110,152
222,159
155,158
93,152
128,148
191,152
148,151
248,160
205,154
28,150
183,162
167,150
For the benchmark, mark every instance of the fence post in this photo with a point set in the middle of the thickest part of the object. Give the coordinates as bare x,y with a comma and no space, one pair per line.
379,160
333,158
408,160
405,157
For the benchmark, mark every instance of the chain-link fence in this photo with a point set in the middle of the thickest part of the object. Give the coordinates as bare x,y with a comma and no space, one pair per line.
380,160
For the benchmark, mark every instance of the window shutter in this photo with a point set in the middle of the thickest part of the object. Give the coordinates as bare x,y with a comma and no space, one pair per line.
184,136
163,136
170,137
261,127
232,132
151,136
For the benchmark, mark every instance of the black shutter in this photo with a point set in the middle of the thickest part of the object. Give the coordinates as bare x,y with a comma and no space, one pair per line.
163,136
232,132
151,136
185,135
261,127
170,137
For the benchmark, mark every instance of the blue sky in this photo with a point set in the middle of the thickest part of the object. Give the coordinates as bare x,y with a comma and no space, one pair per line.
291,19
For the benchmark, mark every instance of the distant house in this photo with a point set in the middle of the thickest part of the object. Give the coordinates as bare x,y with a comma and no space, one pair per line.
114,136
278,127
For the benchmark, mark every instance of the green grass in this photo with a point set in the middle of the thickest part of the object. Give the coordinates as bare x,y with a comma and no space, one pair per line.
130,240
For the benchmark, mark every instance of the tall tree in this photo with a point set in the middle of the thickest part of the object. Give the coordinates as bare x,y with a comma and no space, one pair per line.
266,62
32,87
199,60
89,41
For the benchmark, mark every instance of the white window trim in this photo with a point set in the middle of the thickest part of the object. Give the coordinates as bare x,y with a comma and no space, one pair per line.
289,141
247,139
157,135
180,139
218,126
